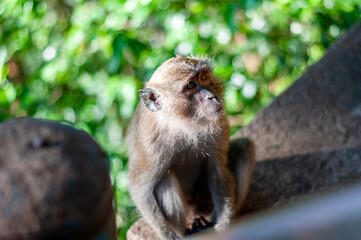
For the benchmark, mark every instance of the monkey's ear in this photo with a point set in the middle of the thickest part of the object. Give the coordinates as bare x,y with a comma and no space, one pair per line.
150,99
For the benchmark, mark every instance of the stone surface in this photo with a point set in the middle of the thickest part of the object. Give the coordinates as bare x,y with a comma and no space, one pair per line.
279,181
141,230
54,183
334,216
309,139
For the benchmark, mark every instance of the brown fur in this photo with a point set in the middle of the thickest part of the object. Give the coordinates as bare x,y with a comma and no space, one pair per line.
178,150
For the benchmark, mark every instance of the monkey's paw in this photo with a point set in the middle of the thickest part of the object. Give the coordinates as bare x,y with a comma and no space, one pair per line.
200,224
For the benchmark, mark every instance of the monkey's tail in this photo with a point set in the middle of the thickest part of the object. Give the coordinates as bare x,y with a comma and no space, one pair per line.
241,158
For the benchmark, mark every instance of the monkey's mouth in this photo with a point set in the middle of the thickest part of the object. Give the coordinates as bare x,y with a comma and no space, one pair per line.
212,113
214,107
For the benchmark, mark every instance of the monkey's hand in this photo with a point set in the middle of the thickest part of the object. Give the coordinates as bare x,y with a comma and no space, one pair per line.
199,224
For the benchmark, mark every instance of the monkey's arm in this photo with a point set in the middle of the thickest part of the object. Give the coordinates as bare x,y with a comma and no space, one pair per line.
222,186
143,193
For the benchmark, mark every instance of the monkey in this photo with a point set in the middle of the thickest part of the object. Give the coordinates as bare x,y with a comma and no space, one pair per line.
178,147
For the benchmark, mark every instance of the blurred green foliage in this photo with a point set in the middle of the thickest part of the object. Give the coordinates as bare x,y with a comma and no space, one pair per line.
82,62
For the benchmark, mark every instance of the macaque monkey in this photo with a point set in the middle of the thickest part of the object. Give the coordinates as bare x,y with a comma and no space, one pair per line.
178,143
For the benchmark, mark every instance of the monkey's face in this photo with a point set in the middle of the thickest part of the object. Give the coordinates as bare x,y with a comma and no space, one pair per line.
185,88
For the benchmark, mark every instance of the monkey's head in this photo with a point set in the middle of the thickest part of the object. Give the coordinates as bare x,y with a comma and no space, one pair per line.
185,89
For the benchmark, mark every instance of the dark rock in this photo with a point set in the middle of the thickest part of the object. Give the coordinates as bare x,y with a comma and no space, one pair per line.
54,183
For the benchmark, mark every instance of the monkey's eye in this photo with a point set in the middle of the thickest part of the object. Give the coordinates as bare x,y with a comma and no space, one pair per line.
202,77
190,86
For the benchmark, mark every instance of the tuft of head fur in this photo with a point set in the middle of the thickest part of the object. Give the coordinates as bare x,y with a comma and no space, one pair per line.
178,67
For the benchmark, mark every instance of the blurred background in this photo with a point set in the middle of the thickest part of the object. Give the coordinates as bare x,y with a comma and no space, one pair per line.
82,62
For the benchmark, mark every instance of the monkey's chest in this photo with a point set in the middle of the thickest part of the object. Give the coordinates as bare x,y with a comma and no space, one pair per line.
191,176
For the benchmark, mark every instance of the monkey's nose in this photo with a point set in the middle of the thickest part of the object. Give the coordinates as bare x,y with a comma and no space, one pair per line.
211,96
207,94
